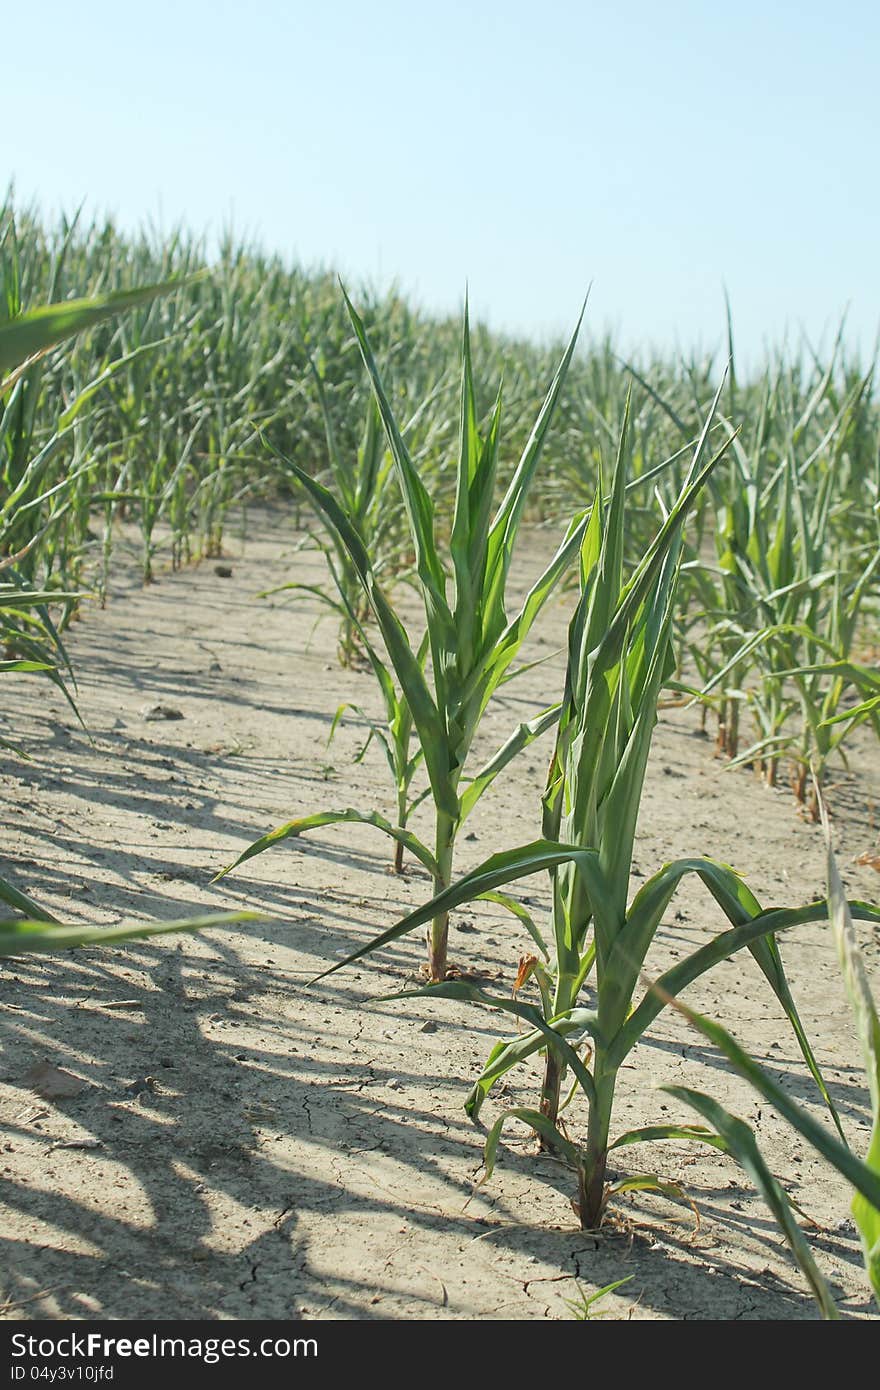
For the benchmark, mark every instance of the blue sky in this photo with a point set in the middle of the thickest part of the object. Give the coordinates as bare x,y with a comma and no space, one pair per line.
657,151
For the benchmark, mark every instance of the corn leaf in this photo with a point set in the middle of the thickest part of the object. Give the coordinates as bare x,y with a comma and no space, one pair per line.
738,1138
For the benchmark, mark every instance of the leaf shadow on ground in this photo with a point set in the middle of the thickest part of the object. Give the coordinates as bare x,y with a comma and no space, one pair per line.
199,1132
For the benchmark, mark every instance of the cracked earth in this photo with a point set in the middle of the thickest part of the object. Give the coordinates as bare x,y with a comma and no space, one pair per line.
244,1146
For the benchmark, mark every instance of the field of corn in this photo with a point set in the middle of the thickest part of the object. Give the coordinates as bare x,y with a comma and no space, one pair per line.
439,852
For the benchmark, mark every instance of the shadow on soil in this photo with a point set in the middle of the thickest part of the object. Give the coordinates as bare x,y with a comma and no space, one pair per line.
186,1121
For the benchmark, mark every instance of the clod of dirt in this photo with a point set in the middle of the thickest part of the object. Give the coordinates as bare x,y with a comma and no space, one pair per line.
54,1083
77,1144
154,713
143,1085
223,571
429,1027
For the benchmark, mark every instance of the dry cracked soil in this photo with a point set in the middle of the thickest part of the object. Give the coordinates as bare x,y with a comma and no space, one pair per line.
242,1145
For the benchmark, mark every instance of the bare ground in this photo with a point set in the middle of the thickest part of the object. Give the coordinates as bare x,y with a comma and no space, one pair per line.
248,1147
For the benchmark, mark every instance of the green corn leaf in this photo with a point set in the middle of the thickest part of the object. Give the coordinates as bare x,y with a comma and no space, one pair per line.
521,914
649,1134
582,1306
648,1182
12,597
19,938
470,454
406,663
121,364
25,666
856,713
553,1031
419,507
14,898
743,909
507,1053
39,329
493,873
865,1213
539,1123
291,829
739,1140
864,1179
522,736
500,650
502,532
676,979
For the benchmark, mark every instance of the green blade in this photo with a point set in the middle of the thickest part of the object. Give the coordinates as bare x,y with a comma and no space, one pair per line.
493,873
862,1178
649,1134
17,899
419,507
742,908
503,530
522,736
552,1031
521,914
426,717
43,328
540,1124
292,828
507,1053
17,938
727,943
739,1140
865,1213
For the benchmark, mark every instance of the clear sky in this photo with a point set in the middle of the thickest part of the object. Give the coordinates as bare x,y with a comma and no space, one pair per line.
657,150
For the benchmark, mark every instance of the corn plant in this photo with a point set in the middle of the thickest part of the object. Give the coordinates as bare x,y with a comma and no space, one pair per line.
619,656
585,1307
471,643
394,735
866,681
27,631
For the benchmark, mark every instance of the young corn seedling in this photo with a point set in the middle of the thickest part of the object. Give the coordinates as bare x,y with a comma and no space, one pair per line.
394,736
471,642
619,656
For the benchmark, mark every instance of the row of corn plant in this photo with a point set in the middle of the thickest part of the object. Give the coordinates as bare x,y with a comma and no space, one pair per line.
27,629
28,500
172,445
589,1016
793,585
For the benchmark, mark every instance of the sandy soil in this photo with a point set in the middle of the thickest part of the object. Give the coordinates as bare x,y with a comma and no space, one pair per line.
245,1147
